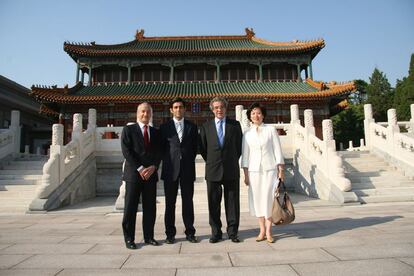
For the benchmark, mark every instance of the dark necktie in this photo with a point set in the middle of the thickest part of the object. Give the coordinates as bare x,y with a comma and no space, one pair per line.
146,137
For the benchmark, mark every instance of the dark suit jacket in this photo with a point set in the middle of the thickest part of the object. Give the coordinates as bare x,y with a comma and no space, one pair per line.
178,156
221,163
132,145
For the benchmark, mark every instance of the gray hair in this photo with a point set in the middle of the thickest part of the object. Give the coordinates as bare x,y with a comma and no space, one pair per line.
145,103
218,99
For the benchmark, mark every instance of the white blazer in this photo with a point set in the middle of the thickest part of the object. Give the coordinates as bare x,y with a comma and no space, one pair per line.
261,149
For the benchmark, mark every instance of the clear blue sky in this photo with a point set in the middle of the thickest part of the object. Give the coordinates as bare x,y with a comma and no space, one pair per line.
359,34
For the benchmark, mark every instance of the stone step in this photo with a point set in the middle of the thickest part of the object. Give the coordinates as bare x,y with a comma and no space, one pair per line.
354,153
373,173
386,198
376,179
19,182
384,191
367,163
367,185
17,176
21,172
20,162
23,167
350,169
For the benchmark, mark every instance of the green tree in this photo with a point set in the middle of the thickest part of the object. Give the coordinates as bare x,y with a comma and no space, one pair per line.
349,125
380,95
404,94
360,95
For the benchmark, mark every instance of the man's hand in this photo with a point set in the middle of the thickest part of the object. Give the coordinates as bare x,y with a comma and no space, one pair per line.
147,172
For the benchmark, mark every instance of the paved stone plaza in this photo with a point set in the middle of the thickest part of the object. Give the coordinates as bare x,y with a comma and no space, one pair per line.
325,239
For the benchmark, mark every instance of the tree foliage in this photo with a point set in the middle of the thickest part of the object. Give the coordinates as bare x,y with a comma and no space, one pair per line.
380,95
349,125
404,94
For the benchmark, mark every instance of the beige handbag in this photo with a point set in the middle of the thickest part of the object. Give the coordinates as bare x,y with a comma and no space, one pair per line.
282,211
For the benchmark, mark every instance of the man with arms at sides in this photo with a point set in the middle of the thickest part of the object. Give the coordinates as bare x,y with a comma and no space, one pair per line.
179,147
140,145
220,146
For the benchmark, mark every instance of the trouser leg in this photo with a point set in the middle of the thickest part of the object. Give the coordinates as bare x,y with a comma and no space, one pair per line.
214,193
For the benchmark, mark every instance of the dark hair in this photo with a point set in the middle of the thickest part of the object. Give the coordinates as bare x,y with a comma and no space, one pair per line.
177,100
253,106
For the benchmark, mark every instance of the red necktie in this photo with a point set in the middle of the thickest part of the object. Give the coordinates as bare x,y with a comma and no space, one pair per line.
146,137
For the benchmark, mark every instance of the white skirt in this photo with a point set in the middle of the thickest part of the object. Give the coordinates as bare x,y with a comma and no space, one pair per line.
261,192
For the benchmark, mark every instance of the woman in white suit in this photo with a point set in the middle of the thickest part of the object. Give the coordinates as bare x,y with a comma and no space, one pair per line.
263,165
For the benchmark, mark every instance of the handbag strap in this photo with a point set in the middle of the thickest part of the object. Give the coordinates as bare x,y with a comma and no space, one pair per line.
281,183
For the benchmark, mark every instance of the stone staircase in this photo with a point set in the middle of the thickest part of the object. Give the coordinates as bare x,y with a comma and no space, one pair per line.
374,180
19,178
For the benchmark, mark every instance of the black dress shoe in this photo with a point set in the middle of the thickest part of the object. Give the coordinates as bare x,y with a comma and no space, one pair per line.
191,238
235,239
152,242
214,239
169,240
130,245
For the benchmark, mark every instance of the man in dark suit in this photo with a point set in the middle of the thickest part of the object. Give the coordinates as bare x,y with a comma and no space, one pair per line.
220,146
179,146
140,145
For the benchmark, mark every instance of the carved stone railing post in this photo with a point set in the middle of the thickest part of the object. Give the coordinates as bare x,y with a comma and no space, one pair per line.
392,128
367,122
245,123
309,129
294,114
92,118
308,114
15,128
239,111
327,132
77,125
57,138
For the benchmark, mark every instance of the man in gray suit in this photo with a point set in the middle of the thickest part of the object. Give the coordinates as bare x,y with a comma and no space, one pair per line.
221,146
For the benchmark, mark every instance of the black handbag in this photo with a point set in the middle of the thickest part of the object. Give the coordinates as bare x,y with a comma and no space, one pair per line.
282,210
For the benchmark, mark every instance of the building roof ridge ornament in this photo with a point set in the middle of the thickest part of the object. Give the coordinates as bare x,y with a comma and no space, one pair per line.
249,33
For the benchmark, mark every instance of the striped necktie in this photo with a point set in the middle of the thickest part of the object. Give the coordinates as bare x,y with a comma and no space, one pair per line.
179,131
220,134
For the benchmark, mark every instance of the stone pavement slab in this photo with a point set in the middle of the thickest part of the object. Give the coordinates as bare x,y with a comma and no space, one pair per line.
163,249
33,248
119,272
409,261
280,257
375,267
73,261
368,251
31,272
282,270
8,261
178,260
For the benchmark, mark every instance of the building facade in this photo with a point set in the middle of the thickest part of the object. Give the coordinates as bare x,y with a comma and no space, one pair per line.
243,68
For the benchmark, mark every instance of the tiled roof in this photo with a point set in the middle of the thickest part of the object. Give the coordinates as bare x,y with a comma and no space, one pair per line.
193,45
161,92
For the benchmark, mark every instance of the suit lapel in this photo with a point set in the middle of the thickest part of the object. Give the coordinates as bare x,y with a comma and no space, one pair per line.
186,130
139,134
227,132
213,131
173,130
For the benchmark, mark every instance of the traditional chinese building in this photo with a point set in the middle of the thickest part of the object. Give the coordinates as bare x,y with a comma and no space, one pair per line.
242,68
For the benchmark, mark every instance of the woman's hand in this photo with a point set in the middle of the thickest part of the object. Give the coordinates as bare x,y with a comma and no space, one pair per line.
281,172
246,177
